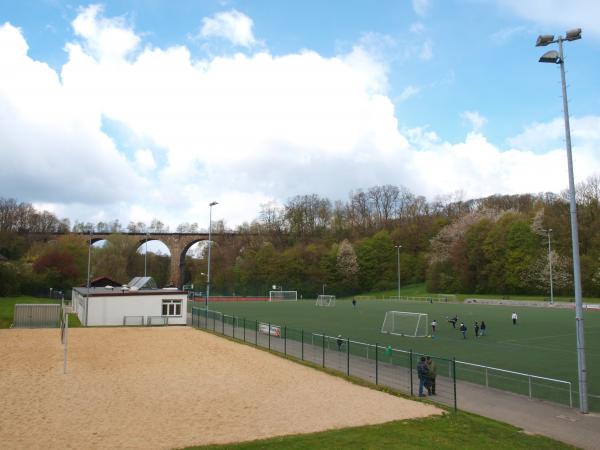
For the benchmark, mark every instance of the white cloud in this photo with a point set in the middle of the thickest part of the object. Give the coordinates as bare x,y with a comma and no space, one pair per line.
144,160
232,25
475,120
242,130
426,52
417,28
421,7
556,16
505,34
408,92
109,38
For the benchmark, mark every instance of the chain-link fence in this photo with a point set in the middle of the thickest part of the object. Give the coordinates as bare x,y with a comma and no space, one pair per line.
380,365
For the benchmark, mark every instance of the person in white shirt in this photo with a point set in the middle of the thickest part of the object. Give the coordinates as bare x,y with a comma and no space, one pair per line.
514,318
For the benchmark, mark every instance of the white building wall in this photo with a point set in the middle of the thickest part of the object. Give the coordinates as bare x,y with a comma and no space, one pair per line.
110,310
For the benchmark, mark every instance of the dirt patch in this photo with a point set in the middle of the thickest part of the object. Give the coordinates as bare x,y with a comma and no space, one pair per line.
169,387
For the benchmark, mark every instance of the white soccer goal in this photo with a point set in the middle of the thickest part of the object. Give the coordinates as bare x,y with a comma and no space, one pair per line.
408,324
325,300
283,296
129,321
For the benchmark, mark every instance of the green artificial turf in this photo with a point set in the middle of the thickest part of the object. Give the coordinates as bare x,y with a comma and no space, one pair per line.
450,431
543,342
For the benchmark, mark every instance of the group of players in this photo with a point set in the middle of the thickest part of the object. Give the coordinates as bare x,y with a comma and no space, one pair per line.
479,328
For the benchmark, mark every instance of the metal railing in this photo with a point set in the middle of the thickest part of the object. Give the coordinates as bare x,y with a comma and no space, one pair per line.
518,382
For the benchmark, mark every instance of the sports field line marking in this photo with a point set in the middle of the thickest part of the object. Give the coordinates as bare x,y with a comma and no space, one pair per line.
508,341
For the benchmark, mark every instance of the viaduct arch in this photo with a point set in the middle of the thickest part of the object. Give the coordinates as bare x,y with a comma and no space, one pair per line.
177,243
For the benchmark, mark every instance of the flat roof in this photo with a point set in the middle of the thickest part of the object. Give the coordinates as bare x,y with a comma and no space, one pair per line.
118,291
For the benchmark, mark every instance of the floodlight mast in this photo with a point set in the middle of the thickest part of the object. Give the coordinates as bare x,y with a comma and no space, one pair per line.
549,57
210,205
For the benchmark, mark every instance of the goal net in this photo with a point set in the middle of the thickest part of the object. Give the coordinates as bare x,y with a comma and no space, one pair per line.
405,324
283,296
325,300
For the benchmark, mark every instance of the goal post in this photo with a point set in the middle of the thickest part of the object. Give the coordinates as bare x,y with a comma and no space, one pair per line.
325,300
283,296
401,323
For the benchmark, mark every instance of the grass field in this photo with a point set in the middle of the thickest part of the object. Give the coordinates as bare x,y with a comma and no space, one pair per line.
7,308
543,342
447,432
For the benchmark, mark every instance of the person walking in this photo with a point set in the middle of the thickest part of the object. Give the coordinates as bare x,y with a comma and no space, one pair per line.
432,374
514,318
433,326
482,329
423,373
463,330
476,329
340,342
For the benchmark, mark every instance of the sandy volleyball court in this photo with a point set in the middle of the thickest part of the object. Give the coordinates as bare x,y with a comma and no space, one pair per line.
167,388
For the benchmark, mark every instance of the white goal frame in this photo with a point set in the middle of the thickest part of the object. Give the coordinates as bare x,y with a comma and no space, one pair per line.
283,296
325,300
391,319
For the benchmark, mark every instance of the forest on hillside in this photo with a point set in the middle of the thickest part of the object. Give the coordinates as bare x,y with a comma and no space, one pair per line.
495,245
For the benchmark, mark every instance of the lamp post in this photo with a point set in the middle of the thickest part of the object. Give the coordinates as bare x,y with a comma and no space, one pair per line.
87,293
324,288
146,252
549,232
555,57
398,247
210,205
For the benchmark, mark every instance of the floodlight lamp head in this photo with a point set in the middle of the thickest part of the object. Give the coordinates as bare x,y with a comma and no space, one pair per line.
573,35
544,40
550,57
213,203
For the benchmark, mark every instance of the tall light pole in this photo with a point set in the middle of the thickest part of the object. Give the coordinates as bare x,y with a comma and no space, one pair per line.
549,232
398,247
146,252
211,204
87,295
324,288
555,57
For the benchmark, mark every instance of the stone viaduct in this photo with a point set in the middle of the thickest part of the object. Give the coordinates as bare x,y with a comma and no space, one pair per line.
177,243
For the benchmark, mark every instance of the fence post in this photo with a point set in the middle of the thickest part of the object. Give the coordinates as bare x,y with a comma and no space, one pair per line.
376,365
302,343
454,381
233,326
269,336
529,378
486,377
256,333
223,324
285,340
244,329
206,318
214,323
348,356
410,365
323,349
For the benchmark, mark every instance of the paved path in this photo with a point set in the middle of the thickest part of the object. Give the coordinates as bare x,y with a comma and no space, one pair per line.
533,416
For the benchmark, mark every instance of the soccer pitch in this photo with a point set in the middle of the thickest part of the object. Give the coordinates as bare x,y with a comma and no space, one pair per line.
542,343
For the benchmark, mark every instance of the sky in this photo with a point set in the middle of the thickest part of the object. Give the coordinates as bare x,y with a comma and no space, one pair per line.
142,109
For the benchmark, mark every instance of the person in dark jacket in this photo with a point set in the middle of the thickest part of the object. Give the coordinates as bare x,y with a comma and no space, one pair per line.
423,373
463,330
476,326
432,374
482,328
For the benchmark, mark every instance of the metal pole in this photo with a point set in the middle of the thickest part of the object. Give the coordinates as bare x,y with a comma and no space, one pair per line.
550,264
302,339
145,254
398,248
454,382
210,205
411,372
583,400
348,356
376,365
87,295
323,349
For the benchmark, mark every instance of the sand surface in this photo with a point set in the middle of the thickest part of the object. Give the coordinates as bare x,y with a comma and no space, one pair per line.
146,388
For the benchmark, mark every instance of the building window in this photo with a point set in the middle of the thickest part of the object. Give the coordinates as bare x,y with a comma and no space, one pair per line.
171,307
